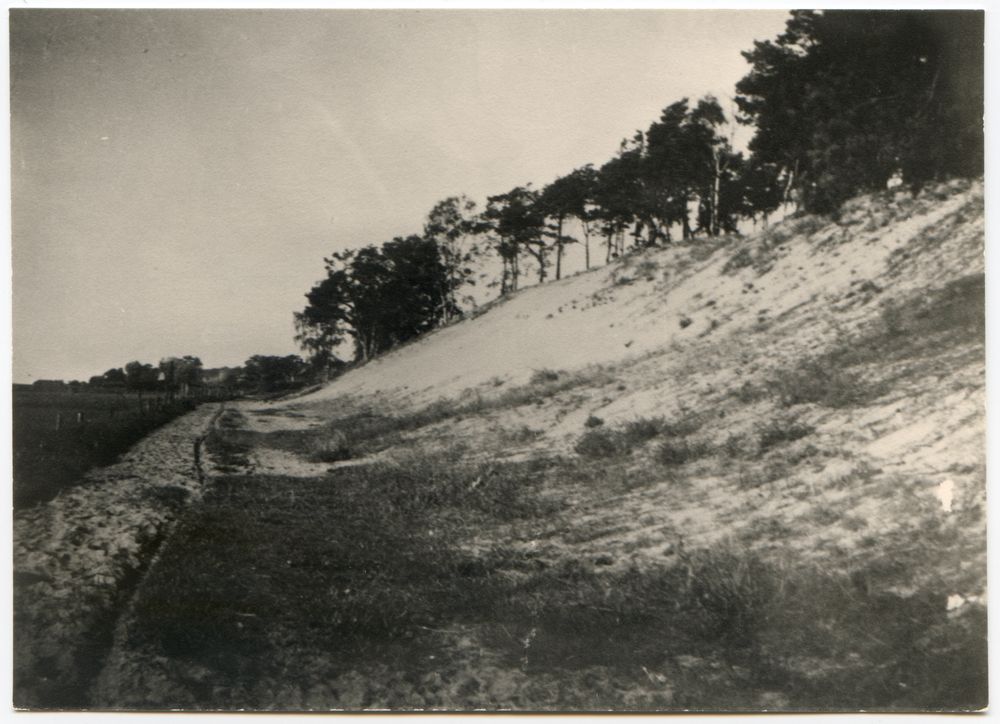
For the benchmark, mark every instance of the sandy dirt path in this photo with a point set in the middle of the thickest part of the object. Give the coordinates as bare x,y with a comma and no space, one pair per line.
78,557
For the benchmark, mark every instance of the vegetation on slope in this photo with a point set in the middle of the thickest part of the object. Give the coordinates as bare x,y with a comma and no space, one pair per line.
750,550
844,102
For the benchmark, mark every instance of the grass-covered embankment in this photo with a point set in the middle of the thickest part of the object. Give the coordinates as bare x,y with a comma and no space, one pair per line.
415,585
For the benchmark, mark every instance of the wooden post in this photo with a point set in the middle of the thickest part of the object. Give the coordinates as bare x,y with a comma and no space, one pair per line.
79,418
58,420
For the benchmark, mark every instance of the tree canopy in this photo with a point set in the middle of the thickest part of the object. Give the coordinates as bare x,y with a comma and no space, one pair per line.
844,100
378,297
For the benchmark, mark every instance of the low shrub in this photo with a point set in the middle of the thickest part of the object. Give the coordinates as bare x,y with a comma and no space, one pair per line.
813,381
647,269
775,433
614,443
331,447
681,451
636,432
688,424
600,444
750,393
522,435
740,260
544,375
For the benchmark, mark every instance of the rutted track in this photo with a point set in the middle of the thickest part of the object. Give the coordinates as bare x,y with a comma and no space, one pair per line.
78,558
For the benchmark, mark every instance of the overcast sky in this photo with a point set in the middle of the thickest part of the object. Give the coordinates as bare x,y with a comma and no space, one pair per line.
178,176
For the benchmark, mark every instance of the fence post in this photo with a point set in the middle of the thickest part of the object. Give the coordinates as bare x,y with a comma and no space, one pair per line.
79,418
58,421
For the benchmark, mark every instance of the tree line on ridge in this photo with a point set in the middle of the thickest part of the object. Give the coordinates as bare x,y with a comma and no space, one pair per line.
843,102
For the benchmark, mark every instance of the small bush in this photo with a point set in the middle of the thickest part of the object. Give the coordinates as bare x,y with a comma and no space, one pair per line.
814,382
702,250
737,588
689,424
736,446
639,431
600,444
808,225
679,452
542,376
750,393
593,421
647,269
613,443
740,260
523,435
330,448
775,433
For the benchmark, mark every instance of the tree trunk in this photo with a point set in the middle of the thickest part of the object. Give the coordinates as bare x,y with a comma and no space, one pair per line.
713,224
559,248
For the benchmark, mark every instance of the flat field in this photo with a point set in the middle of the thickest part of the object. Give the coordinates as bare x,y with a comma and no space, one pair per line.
93,429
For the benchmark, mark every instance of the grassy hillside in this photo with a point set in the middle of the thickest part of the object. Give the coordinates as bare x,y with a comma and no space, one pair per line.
734,474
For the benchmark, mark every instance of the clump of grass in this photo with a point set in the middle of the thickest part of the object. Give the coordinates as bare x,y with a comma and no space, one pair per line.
636,432
740,260
854,523
776,433
760,256
593,421
769,528
600,444
544,375
823,515
703,250
523,434
682,451
647,269
231,419
622,441
737,588
229,454
862,474
805,226
750,393
920,324
687,424
330,448
813,381
737,446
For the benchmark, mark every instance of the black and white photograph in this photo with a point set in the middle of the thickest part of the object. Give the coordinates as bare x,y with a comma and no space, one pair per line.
541,359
